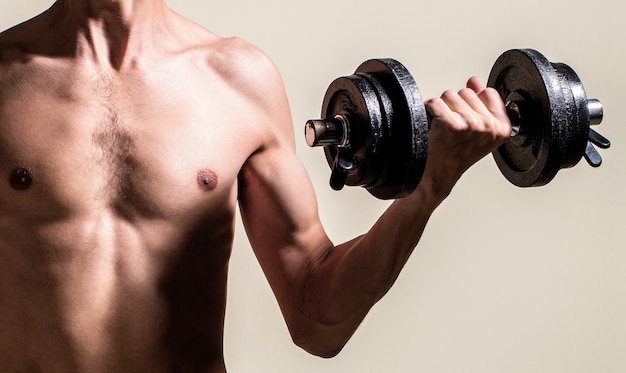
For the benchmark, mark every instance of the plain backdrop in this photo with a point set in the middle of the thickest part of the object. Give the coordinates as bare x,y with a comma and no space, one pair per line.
505,279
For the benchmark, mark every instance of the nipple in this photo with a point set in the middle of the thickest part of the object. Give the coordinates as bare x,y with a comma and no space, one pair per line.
20,179
207,180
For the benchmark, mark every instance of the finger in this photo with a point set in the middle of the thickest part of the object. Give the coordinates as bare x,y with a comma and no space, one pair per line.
490,98
456,102
493,102
489,111
476,84
439,111
437,107
470,111
475,101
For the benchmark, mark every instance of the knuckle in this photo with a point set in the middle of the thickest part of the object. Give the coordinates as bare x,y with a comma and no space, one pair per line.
435,106
492,97
433,102
466,92
449,122
491,123
458,124
491,92
475,123
448,94
505,131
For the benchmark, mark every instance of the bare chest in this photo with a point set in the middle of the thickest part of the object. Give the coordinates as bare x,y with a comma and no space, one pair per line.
158,147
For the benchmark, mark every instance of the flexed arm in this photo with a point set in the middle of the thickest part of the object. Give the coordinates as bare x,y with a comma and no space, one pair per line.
325,290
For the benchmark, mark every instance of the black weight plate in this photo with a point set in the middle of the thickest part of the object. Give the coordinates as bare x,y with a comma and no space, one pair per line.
533,157
575,131
354,98
406,129
386,150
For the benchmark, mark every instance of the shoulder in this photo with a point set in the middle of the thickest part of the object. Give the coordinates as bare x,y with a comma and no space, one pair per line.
255,78
246,77
237,61
247,69
242,66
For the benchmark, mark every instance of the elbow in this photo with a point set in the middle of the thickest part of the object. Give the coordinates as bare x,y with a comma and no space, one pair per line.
322,341
323,349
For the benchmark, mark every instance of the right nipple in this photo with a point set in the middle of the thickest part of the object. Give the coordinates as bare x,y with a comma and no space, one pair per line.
20,179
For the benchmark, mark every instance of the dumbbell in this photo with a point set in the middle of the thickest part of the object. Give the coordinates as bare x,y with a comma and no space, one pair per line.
374,126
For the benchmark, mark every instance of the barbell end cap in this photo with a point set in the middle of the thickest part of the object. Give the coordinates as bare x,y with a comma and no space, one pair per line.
596,111
327,132
311,130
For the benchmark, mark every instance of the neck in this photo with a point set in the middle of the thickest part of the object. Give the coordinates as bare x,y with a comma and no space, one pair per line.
113,31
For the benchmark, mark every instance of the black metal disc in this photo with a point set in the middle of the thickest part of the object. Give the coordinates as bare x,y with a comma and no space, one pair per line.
574,133
388,129
354,98
405,130
535,155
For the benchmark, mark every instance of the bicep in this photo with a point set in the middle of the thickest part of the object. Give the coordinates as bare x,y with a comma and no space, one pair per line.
276,198
279,211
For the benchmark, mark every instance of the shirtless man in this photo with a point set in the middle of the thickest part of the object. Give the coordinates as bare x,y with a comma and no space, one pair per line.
128,137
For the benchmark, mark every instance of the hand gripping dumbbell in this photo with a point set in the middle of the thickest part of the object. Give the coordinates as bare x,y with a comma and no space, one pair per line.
375,128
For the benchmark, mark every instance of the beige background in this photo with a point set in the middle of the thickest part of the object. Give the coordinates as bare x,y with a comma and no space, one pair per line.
505,279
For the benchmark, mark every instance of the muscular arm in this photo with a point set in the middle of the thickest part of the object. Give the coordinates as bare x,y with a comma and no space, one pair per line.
325,290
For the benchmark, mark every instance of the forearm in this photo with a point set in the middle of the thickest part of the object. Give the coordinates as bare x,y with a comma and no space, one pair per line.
353,276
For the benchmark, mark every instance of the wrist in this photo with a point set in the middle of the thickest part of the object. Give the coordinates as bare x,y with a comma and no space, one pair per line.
431,193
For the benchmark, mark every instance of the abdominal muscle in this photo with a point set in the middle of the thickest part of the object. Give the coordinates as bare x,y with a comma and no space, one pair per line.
96,293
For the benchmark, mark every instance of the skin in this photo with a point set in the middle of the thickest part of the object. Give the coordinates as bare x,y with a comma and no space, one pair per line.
122,163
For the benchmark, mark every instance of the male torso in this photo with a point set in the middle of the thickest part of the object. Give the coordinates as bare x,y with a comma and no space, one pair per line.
118,189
